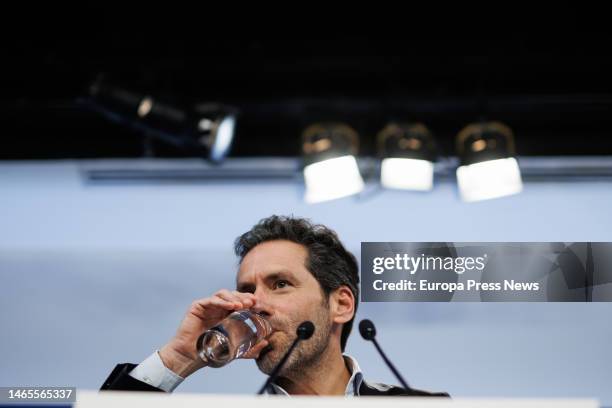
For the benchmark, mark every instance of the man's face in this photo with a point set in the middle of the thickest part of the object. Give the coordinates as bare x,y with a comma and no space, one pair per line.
287,294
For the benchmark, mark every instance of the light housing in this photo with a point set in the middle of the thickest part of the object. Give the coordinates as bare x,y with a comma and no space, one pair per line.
407,153
216,126
206,129
488,168
330,167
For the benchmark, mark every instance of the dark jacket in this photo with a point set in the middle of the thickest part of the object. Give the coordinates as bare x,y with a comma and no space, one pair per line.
120,380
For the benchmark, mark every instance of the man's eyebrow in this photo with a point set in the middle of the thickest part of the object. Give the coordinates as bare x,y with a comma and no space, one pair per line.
285,274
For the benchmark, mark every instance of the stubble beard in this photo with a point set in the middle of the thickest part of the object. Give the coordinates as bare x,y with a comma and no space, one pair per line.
307,354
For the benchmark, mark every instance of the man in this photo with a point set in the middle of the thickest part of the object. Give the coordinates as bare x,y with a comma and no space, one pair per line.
290,271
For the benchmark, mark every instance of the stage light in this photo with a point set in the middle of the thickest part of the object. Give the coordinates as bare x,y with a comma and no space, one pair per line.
330,166
407,152
216,128
206,129
487,166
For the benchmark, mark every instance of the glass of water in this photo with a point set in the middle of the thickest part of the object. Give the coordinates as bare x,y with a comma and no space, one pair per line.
232,337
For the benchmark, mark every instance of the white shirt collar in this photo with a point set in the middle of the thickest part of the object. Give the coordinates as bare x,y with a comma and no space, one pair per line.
352,387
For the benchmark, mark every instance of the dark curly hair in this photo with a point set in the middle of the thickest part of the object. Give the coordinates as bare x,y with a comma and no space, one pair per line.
328,261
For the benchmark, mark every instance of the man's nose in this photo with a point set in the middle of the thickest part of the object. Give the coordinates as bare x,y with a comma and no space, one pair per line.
262,305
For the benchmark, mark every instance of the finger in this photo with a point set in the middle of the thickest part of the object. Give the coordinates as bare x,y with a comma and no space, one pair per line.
229,296
255,350
201,307
241,300
247,299
224,304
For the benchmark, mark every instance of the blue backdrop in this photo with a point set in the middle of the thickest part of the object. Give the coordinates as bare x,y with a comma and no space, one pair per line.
96,275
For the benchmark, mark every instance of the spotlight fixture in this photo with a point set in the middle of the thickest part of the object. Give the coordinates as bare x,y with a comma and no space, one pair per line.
487,166
215,129
206,129
330,166
408,152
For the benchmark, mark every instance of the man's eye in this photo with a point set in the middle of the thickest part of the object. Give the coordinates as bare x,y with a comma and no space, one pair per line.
279,284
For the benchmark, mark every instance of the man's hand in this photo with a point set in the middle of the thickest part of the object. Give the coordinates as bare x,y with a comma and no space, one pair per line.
180,354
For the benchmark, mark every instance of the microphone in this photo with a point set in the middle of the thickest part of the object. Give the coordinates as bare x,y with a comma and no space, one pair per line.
303,332
368,332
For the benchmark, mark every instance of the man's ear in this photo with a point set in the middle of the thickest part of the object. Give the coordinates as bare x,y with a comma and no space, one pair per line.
342,304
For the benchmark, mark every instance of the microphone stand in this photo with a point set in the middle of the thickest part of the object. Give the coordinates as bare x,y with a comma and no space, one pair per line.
368,332
304,332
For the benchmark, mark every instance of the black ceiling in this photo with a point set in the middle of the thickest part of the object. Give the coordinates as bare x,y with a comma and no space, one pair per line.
554,92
